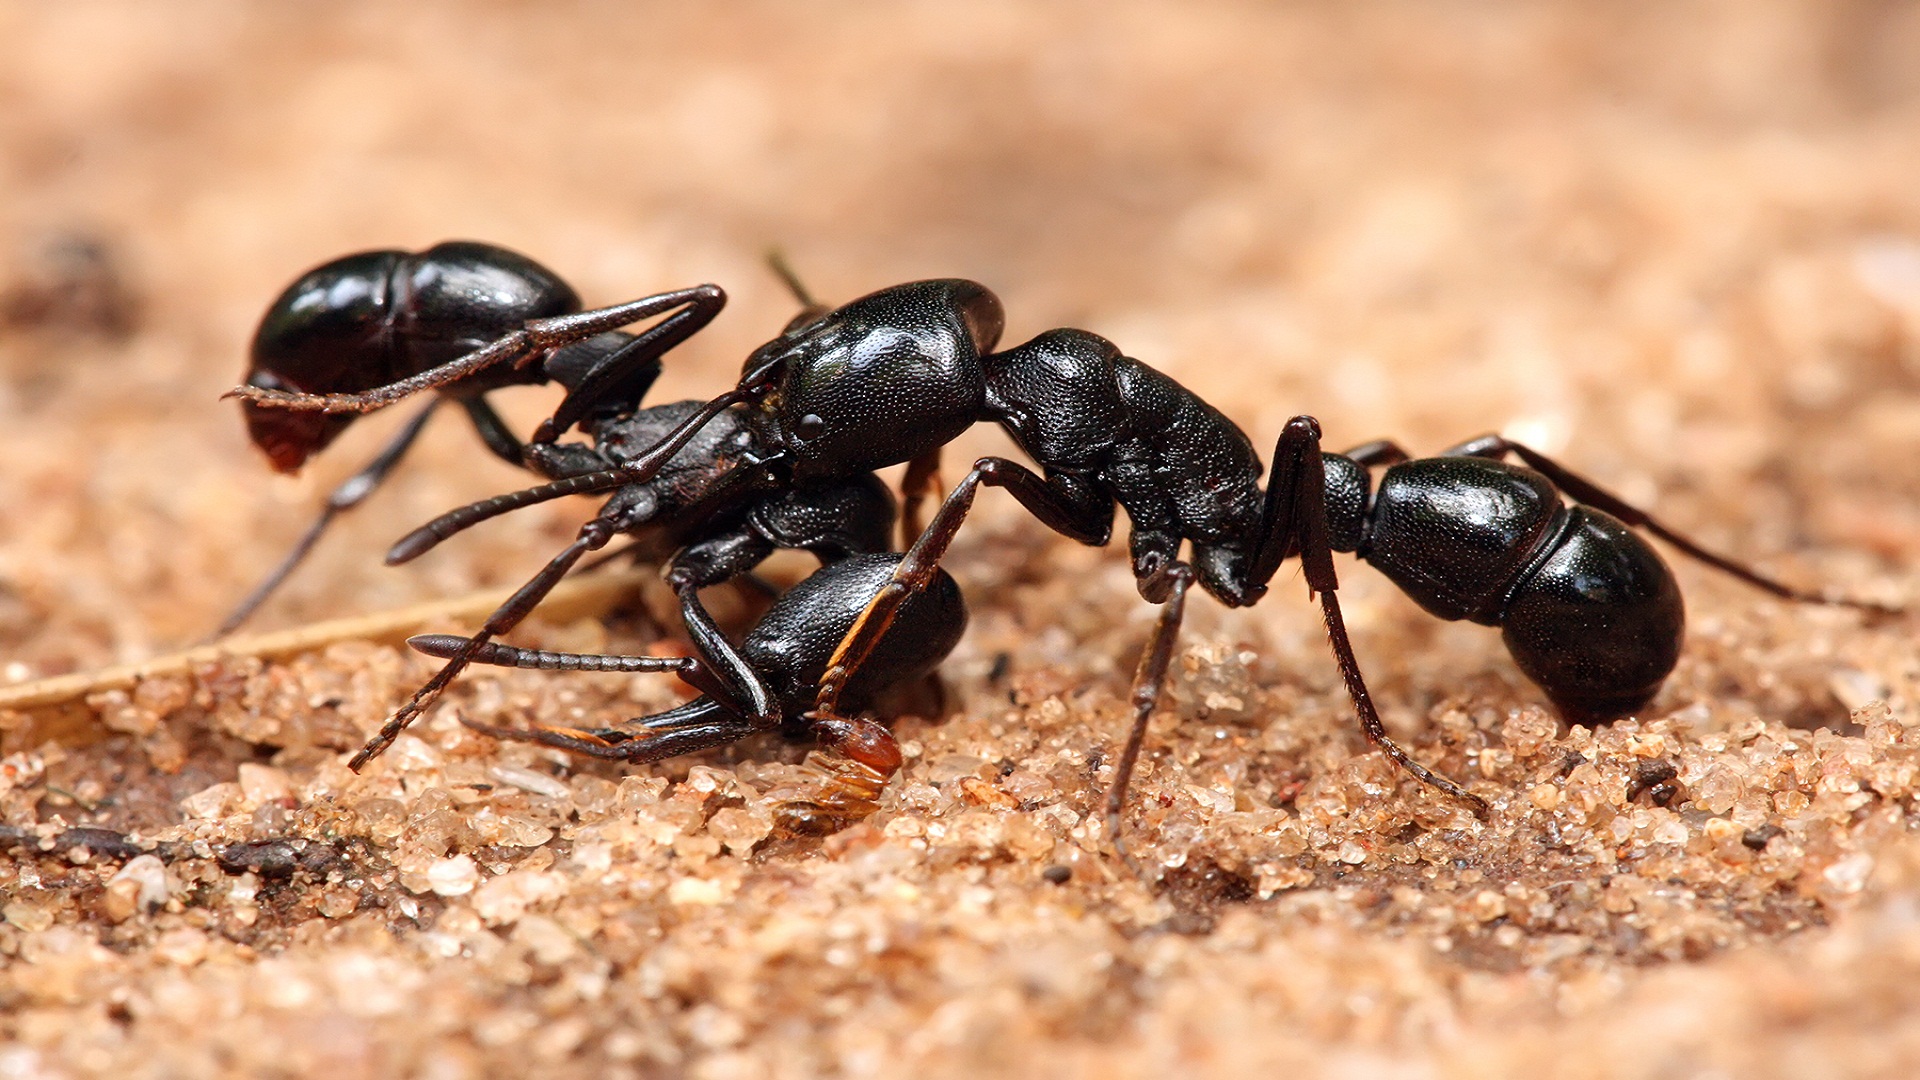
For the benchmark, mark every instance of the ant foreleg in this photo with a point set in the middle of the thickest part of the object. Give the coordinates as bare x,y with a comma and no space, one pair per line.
1075,510
1585,491
593,535
697,725
624,375
351,493
1295,519
514,347
1148,678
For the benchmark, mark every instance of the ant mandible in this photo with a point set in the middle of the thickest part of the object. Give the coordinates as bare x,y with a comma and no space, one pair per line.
461,318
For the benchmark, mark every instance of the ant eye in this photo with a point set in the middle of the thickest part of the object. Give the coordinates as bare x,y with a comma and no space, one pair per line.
809,425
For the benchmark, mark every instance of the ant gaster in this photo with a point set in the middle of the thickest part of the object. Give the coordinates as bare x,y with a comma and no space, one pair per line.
1591,613
460,318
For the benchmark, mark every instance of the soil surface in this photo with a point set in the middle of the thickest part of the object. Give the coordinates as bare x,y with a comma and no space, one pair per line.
1677,246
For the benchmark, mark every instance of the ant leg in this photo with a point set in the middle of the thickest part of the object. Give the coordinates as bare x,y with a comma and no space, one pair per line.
1585,491
1295,516
692,670
1062,503
697,725
857,756
351,493
515,347
626,374
1148,678
728,675
731,687
494,431
923,478
593,536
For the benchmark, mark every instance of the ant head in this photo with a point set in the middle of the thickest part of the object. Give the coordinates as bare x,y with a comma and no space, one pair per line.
883,379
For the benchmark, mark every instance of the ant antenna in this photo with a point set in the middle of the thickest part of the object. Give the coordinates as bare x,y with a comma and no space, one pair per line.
810,307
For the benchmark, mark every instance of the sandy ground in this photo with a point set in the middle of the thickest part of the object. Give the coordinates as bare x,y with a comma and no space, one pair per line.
1677,245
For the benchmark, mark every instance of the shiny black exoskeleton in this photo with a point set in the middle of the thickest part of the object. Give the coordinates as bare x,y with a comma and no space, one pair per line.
1589,611
768,683
696,511
1587,608
460,318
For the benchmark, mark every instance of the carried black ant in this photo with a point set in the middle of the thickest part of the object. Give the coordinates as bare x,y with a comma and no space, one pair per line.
766,684
461,318
1590,612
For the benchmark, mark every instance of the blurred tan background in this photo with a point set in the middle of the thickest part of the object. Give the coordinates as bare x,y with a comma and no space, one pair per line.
1677,244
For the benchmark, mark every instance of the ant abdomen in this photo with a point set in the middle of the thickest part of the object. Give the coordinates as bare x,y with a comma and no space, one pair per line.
1598,624
1457,533
1588,609
375,317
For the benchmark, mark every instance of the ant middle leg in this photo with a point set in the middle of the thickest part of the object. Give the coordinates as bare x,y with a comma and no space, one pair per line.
1149,676
1585,491
593,536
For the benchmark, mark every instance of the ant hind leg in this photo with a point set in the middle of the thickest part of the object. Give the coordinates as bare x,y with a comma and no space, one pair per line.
1295,519
1586,492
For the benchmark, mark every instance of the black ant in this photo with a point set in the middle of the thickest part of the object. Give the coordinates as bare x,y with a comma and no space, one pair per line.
718,462
766,684
1590,611
461,318
695,506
